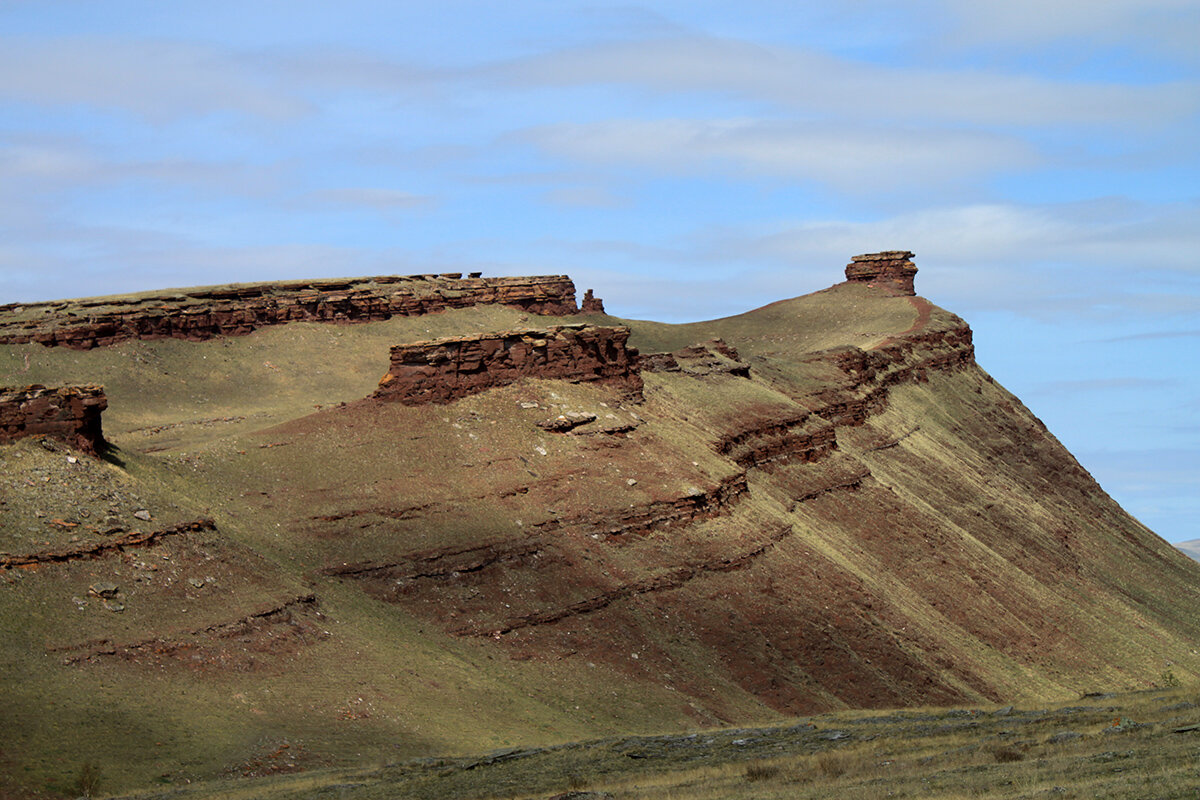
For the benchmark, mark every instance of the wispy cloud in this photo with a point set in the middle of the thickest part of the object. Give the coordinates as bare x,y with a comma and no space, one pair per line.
810,81
1047,261
379,199
856,161
585,197
1083,387
1151,335
1166,22
153,79
36,166
1023,256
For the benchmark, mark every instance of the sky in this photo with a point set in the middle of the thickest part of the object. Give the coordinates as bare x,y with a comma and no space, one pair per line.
688,160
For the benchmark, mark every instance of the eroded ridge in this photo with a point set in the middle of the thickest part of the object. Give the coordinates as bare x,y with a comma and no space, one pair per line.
263,637
672,578
869,374
104,547
206,313
443,370
700,504
713,357
69,413
802,436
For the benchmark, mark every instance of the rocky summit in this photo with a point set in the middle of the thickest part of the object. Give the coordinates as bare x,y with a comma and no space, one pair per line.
542,524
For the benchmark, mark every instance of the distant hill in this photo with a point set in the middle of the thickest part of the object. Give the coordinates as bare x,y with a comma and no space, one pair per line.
355,521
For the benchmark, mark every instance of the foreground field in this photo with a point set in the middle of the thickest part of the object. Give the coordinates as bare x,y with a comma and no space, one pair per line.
1137,745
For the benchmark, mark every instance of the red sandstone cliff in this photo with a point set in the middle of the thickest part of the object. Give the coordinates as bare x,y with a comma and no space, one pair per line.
443,370
69,413
239,309
591,304
891,269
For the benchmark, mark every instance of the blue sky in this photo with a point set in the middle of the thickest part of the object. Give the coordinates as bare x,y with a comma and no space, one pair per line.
687,159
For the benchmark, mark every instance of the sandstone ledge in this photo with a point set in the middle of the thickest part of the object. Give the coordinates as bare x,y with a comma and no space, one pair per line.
446,369
206,313
892,270
69,413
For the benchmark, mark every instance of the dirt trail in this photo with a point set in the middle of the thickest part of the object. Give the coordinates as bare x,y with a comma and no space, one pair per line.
924,312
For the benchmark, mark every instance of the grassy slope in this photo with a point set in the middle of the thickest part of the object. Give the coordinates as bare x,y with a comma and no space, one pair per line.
1097,747
999,570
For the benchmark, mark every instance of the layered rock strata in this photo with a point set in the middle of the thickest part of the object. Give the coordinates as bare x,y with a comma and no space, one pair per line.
590,304
69,413
105,547
892,270
698,360
443,370
236,310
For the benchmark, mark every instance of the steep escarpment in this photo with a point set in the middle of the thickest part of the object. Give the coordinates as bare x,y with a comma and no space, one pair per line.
598,578
446,369
815,579
891,270
69,413
205,313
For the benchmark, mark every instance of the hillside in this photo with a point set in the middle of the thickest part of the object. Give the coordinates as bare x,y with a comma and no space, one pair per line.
528,533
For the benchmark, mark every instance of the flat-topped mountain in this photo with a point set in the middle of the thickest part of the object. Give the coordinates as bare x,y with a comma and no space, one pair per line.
357,521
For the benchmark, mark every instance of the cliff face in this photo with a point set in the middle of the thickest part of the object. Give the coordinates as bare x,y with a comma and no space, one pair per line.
446,369
237,310
723,558
891,270
69,413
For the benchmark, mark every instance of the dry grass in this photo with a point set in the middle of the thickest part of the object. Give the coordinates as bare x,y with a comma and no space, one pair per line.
933,754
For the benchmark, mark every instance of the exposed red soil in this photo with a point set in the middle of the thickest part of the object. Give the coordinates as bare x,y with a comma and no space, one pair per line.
558,589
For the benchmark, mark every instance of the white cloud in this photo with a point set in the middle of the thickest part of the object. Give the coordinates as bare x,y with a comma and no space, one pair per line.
1161,238
380,199
112,261
859,161
1036,21
46,162
37,169
815,82
584,197
1050,262
157,80
1042,261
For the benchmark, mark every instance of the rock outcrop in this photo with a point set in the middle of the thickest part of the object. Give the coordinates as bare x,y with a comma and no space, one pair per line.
892,270
238,309
698,360
105,547
69,413
591,304
443,370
